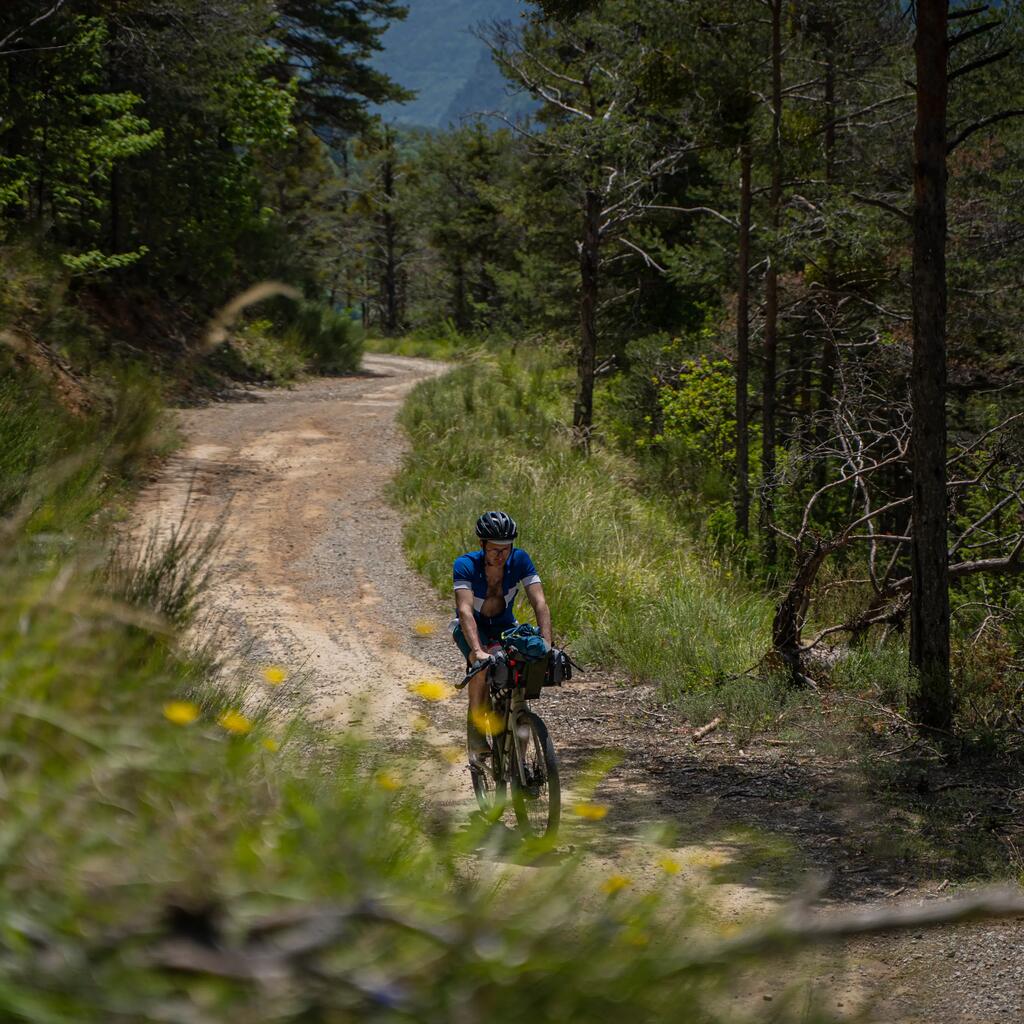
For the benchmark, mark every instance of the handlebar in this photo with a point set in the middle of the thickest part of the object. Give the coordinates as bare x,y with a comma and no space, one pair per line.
484,663
500,657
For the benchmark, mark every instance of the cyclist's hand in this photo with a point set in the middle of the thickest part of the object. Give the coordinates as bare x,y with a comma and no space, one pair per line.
479,655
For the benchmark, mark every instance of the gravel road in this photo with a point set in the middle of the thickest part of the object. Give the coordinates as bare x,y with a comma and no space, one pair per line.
311,576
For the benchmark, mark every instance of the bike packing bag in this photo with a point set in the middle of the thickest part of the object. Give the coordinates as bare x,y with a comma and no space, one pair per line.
526,641
529,676
559,668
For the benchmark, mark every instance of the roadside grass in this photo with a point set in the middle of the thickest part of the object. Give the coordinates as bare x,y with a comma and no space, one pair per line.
629,590
626,589
445,345
60,470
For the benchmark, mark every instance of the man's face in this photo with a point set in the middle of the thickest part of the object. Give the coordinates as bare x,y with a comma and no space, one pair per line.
496,554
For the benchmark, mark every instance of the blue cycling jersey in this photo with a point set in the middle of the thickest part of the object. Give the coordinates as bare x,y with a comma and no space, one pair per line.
468,572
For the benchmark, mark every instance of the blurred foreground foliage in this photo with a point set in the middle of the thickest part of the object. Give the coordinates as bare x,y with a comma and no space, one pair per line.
175,849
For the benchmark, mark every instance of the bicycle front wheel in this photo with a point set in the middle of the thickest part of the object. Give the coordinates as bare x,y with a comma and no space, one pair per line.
489,784
536,793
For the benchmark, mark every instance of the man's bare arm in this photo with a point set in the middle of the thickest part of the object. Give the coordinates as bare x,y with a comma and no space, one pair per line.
464,607
535,592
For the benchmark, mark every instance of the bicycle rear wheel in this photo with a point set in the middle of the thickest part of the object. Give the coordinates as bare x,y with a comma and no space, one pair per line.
536,792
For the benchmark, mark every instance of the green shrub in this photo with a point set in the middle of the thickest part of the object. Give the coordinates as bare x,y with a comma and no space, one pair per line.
257,351
329,338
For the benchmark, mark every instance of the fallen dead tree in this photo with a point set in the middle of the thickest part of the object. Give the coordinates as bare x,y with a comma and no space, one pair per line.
869,440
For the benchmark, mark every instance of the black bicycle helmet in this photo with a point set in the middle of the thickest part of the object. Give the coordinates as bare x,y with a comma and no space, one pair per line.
499,526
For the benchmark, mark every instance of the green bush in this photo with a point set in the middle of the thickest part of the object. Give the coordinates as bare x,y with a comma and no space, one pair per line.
674,413
328,337
257,351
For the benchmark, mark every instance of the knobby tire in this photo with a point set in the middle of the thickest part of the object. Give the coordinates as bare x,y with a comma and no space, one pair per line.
538,808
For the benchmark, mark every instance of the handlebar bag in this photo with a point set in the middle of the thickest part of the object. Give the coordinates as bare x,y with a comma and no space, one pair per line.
529,676
526,641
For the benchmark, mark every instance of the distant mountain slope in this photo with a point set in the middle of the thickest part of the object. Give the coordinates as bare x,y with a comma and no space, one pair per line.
485,90
434,53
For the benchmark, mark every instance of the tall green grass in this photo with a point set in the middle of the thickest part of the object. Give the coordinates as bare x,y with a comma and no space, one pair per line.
625,586
59,470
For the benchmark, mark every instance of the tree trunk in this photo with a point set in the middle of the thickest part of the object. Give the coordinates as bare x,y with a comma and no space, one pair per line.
390,262
929,607
829,352
459,298
115,209
742,497
583,409
792,611
771,295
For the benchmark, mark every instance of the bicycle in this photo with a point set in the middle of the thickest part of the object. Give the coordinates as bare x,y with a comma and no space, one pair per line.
523,758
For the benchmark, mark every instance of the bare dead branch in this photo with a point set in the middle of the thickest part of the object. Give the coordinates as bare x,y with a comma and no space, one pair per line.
967,12
974,65
978,523
882,205
1003,115
706,730
970,33
980,440
16,35
695,209
649,260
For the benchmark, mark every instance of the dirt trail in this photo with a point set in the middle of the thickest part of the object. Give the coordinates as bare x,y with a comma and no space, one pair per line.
311,576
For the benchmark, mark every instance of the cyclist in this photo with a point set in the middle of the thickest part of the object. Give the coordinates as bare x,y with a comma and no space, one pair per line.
486,584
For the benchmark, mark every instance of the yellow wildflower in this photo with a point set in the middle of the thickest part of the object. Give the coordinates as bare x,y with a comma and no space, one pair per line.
669,865
274,675
590,811
615,884
453,755
386,780
423,628
270,744
420,723
235,723
181,712
432,689
488,721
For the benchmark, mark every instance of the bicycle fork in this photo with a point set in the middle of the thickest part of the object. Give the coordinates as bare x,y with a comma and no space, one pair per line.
515,711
